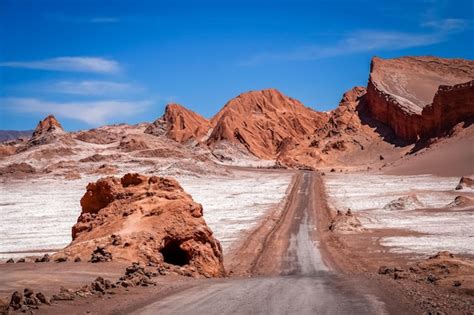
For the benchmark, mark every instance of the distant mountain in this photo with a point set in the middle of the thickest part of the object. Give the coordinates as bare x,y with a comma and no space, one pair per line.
6,135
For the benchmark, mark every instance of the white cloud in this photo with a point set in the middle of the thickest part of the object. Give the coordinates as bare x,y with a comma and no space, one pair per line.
71,64
93,113
447,25
356,42
91,87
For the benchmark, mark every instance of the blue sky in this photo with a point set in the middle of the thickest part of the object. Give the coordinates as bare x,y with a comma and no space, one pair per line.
98,62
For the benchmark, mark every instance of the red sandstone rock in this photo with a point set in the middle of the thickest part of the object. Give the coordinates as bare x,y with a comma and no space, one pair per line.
46,130
180,124
263,122
145,219
400,92
48,125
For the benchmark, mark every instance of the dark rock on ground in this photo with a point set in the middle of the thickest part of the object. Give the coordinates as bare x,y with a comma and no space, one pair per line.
45,258
100,255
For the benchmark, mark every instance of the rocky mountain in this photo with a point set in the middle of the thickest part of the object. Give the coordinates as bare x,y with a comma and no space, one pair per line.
180,124
264,122
414,95
407,99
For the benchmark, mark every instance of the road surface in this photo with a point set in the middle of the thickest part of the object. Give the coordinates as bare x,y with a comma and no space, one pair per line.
291,276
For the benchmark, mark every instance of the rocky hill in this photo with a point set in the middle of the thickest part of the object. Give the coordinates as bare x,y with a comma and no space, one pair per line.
48,130
180,124
264,122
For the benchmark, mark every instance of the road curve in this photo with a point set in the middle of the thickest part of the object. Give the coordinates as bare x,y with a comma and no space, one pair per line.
292,277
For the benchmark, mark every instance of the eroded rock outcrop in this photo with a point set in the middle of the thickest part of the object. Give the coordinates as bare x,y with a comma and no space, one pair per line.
46,131
144,219
345,223
443,269
465,183
17,170
409,202
180,124
461,202
420,97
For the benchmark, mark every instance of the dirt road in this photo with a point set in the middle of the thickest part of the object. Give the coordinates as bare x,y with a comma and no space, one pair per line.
292,277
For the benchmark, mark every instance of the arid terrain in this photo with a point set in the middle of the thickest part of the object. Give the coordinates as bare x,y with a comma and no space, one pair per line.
268,207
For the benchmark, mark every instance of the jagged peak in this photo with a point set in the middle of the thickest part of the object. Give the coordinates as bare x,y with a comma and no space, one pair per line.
48,125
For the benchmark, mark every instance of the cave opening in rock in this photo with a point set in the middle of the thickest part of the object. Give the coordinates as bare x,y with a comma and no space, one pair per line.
173,254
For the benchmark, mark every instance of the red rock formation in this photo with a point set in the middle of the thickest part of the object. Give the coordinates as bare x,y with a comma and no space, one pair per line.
48,125
451,105
263,122
342,135
399,91
144,219
47,131
345,118
180,124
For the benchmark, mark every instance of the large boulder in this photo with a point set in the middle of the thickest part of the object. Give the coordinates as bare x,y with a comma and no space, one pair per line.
144,219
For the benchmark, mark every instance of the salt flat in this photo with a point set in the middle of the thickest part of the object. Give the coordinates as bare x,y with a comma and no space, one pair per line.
441,227
37,214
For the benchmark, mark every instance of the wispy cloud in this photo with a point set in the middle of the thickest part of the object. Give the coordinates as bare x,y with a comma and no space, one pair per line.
356,42
82,19
93,113
90,87
70,64
447,25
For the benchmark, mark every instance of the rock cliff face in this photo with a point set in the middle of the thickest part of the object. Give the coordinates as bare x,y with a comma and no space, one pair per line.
264,122
145,219
180,124
451,105
400,93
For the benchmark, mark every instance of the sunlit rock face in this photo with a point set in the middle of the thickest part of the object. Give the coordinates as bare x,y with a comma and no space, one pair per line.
420,96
